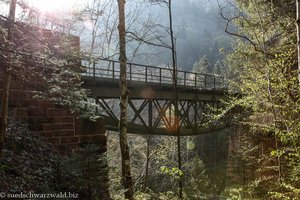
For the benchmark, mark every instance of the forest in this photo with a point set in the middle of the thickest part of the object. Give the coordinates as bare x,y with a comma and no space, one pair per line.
63,136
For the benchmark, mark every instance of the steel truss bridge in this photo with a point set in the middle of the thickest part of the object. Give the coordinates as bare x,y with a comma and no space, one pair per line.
151,98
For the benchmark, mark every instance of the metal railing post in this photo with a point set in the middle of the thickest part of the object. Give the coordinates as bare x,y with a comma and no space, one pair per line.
94,69
130,72
160,76
113,70
146,76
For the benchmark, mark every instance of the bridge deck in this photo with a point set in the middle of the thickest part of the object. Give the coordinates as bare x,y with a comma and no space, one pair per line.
108,88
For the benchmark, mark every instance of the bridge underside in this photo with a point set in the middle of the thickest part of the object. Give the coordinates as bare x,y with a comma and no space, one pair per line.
151,107
108,88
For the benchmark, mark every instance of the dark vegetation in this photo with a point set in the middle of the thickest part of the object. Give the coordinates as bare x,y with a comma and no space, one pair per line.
30,164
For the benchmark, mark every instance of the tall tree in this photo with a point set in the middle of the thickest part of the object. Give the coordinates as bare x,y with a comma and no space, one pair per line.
7,74
126,174
174,76
172,47
298,34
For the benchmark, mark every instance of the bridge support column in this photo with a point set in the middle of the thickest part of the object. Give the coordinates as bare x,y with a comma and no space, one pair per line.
93,133
241,148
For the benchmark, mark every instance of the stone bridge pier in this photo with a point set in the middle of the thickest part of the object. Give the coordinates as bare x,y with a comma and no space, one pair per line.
57,125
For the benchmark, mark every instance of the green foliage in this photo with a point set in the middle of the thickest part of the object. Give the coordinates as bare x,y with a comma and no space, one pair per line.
162,180
262,69
115,185
168,195
234,193
190,145
172,171
84,172
62,82
65,89
198,183
202,66
212,150
28,162
48,64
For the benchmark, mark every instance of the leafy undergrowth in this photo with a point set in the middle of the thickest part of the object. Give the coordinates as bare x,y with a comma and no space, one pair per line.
28,163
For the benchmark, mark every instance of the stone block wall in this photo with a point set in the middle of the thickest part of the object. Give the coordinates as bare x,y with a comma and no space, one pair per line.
57,124
60,127
256,151
240,171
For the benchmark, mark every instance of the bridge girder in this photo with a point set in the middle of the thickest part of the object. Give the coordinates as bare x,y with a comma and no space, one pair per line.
151,98
151,107
156,117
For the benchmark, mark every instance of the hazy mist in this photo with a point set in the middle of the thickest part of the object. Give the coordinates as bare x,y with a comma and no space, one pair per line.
199,31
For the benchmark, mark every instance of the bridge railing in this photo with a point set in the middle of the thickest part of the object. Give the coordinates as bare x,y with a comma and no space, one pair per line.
110,69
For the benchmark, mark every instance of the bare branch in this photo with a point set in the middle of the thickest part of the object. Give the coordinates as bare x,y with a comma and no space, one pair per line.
136,37
228,21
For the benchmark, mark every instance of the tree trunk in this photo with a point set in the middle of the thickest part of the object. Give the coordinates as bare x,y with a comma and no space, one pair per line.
176,113
126,175
298,34
7,79
147,164
4,109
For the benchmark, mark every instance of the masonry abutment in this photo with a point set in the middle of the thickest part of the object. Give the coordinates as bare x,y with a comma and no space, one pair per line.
55,123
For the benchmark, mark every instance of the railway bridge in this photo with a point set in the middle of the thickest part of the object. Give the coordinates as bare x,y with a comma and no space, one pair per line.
151,98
